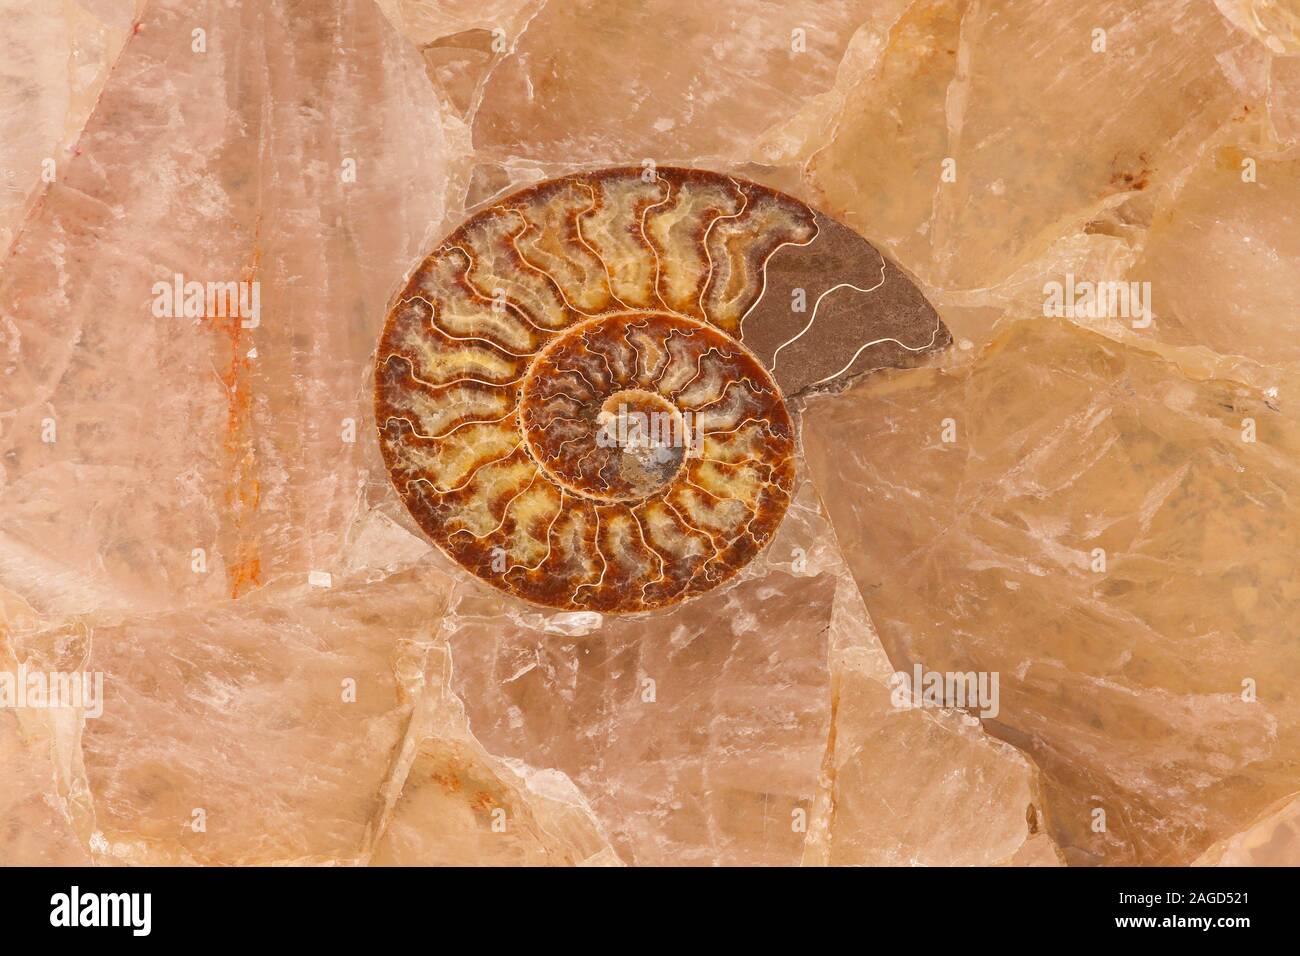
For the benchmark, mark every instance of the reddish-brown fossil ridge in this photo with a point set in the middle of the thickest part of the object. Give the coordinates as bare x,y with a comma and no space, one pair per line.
563,397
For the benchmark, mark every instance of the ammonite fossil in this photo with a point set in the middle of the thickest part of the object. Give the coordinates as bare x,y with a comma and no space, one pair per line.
563,398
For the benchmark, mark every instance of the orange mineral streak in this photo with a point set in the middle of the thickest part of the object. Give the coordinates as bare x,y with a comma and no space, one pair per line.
243,489
561,399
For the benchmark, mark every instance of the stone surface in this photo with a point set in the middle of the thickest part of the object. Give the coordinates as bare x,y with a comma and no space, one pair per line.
460,805
1043,179
57,59
1273,841
194,505
703,82
245,734
1129,686
912,786
1246,235
696,734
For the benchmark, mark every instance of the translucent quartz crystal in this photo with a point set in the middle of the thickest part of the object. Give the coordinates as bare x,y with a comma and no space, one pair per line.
1111,537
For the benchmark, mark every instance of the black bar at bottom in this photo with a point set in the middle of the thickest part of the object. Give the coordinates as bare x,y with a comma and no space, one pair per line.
337,905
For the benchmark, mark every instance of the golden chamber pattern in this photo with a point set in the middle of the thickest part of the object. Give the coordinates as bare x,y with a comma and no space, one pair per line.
563,400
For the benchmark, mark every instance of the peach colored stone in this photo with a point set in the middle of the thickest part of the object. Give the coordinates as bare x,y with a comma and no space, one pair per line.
195,507
1111,538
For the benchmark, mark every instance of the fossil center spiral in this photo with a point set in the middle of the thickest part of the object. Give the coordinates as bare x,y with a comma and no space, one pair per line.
607,430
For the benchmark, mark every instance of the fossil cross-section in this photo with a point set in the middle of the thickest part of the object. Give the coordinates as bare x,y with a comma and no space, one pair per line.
563,398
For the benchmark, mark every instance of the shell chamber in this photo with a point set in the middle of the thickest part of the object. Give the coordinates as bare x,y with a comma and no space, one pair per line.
562,398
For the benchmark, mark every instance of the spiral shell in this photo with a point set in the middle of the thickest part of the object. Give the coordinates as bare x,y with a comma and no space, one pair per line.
562,398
